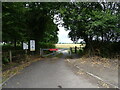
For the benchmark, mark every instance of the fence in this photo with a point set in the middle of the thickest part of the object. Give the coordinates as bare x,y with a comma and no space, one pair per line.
13,56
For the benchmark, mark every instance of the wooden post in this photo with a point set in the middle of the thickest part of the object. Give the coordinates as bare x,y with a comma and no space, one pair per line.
70,51
26,51
81,47
41,52
10,55
26,55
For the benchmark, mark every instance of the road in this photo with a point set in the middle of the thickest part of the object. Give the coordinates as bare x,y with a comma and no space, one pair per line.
49,73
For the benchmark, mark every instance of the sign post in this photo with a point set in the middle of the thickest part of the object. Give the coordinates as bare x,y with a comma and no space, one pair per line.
32,45
25,47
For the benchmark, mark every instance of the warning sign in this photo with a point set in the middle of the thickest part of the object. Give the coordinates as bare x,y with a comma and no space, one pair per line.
25,45
32,45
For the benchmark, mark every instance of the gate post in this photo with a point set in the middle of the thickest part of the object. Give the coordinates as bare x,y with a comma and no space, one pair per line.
75,49
70,51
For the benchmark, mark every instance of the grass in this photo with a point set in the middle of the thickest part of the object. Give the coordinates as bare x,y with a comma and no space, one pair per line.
68,45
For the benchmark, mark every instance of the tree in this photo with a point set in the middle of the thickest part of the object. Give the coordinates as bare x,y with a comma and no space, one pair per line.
93,22
40,24
13,22
25,21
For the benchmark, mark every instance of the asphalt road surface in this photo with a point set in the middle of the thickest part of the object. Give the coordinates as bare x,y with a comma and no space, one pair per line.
49,74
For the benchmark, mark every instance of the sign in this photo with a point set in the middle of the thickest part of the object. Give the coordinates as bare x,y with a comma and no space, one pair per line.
32,45
25,45
53,49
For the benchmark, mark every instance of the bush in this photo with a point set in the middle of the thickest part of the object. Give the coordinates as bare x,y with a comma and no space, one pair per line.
5,60
103,49
110,49
10,47
80,52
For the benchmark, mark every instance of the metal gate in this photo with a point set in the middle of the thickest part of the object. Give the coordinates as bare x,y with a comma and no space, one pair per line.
51,52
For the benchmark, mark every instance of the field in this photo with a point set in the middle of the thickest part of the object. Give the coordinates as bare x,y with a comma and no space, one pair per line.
68,45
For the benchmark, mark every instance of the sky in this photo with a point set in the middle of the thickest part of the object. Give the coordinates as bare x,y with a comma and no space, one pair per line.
62,33
63,36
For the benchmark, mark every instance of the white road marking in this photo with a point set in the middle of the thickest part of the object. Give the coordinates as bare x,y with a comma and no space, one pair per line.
95,76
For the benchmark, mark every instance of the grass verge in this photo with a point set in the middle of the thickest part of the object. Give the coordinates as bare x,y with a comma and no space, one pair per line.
15,68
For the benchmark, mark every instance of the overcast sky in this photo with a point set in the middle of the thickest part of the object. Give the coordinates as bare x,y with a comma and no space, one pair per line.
63,36
62,33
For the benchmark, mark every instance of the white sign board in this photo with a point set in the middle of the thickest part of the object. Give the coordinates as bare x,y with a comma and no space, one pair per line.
25,45
32,45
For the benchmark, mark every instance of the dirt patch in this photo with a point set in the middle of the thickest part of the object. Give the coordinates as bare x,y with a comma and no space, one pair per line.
98,61
104,68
